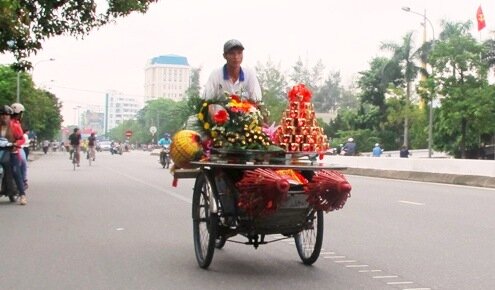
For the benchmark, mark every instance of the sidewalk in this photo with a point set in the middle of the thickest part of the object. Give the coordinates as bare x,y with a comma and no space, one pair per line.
442,170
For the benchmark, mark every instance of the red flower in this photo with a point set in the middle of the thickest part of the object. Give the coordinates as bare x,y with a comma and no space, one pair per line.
235,98
221,117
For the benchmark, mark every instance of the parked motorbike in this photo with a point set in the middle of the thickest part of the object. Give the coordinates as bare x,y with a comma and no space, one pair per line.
165,156
7,187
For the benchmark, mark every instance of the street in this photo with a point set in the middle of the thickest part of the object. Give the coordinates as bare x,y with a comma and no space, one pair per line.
119,224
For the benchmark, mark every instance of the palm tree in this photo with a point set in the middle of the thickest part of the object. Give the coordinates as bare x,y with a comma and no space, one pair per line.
404,56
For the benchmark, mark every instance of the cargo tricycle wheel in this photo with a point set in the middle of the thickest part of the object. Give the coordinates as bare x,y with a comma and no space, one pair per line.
310,239
205,223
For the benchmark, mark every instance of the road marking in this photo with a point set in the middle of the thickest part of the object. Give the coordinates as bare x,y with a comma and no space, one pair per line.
345,261
356,266
328,253
334,257
171,193
417,289
400,283
385,277
410,202
367,271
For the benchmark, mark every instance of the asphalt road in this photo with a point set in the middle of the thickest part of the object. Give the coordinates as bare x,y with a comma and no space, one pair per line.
120,225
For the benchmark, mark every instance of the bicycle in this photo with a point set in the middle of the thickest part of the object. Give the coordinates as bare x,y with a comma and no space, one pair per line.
75,157
91,155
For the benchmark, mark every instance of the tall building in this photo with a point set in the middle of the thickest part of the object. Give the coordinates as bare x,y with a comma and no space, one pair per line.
119,109
167,77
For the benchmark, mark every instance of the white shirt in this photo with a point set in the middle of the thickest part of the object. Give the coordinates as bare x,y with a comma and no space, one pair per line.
247,86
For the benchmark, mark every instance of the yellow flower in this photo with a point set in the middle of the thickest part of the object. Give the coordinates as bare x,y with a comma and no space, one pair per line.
201,117
206,126
214,134
205,104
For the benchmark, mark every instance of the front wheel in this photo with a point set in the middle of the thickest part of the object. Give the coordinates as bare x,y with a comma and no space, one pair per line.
310,239
205,223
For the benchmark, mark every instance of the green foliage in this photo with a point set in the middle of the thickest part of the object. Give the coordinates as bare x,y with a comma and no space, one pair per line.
273,85
24,25
42,115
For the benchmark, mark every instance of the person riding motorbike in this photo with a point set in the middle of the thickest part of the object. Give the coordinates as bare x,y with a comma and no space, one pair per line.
165,143
16,118
12,131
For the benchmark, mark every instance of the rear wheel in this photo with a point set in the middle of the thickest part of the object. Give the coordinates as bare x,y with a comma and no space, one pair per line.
310,239
205,223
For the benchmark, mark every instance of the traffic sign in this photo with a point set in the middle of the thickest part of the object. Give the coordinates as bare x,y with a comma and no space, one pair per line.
153,130
128,133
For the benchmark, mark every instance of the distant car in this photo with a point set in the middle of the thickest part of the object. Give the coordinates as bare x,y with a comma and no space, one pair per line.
104,145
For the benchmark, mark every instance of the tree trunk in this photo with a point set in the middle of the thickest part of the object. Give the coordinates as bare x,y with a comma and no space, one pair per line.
406,117
463,138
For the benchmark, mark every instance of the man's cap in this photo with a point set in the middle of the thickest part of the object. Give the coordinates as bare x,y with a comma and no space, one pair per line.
230,44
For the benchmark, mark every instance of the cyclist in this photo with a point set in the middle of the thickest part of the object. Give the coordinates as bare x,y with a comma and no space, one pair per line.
75,141
91,146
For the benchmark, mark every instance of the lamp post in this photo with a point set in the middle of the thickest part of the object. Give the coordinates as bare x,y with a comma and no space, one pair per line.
19,78
430,117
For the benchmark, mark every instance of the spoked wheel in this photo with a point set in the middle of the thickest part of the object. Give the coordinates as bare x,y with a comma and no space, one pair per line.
205,223
310,239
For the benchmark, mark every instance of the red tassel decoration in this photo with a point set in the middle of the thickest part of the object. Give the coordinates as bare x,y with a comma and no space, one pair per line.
328,190
260,191
174,182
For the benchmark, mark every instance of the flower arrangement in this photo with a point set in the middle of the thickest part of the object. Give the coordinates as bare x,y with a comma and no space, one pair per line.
234,123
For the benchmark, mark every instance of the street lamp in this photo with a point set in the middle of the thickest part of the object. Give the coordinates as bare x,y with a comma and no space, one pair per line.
430,121
19,78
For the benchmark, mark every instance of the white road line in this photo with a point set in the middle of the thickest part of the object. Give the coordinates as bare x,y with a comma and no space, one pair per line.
400,283
345,261
417,289
411,202
367,271
334,257
385,277
328,253
356,266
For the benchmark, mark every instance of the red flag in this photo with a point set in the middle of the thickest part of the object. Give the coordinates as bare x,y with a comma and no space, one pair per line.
481,19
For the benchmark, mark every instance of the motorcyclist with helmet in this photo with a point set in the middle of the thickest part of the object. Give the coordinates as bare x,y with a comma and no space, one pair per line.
12,131
16,118
165,142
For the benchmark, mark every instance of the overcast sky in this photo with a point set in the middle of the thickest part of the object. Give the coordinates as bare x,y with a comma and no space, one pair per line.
345,35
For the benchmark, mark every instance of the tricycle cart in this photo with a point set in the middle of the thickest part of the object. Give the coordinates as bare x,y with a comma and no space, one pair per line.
218,216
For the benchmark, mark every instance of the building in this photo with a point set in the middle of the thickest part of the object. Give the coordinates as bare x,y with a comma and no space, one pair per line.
167,77
120,108
93,119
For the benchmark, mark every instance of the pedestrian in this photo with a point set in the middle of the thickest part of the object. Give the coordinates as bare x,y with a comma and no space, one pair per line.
377,150
231,77
349,148
404,152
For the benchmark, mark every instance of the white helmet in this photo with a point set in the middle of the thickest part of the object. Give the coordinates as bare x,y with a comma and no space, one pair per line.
350,140
377,144
17,108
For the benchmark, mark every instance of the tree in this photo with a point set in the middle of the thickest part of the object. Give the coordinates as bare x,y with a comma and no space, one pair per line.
328,96
24,25
310,77
273,86
404,55
468,105
42,115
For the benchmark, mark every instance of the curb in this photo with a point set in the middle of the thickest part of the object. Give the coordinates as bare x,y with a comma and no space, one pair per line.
471,180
